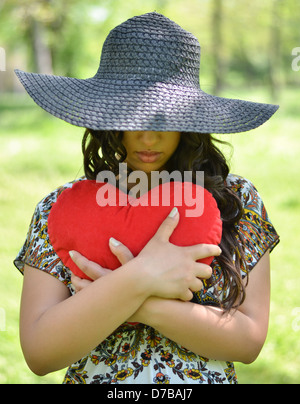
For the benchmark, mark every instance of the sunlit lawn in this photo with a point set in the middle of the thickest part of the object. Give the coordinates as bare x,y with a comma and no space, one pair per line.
38,153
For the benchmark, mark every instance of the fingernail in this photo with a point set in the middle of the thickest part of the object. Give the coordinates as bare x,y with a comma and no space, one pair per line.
71,254
173,212
114,242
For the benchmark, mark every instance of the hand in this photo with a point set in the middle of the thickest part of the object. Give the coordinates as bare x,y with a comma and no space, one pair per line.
93,270
172,272
168,271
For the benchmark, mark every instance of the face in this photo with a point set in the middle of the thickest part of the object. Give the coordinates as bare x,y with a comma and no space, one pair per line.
149,151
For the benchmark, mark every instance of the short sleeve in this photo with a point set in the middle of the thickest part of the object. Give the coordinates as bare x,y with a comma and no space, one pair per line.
37,250
255,228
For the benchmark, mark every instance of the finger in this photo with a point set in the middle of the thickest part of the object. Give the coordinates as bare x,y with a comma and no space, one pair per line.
186,296
197,285
167,227
78,283
200,251
203,271
90,268
123,253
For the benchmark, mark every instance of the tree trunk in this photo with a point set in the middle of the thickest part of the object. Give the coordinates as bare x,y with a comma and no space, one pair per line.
42,57
274,51
217,45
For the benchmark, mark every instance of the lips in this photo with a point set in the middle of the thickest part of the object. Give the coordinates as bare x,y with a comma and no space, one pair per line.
148,156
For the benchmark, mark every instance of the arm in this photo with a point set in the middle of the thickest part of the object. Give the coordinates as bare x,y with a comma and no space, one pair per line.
236,336
57,330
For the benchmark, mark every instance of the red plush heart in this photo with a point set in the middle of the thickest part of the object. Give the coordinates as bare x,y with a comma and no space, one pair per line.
77,222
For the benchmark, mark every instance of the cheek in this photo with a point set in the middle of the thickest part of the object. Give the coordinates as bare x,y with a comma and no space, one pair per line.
129,141
173,145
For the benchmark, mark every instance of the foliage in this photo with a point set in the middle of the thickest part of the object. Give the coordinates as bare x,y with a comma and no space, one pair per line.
38,153
254,44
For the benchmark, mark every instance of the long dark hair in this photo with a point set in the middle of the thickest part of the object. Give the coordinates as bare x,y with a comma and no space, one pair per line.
103,150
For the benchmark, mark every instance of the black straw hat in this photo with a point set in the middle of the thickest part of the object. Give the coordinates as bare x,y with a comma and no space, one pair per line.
148,79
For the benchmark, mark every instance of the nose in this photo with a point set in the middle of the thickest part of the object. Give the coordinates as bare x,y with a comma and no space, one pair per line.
149,138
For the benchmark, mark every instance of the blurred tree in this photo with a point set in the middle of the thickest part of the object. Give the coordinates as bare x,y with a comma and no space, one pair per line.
250,41
37,30
45,25
161,5
275,49
217,44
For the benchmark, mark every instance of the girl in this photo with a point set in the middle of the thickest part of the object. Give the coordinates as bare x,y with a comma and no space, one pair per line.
161,317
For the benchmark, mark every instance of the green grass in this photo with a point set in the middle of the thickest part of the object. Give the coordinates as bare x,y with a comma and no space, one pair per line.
39,152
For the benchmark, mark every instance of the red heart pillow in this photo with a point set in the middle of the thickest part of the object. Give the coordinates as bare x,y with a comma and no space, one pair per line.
77,222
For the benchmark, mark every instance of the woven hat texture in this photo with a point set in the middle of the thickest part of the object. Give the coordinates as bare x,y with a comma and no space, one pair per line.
148,79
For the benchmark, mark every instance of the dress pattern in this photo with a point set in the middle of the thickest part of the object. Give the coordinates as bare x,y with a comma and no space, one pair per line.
138,353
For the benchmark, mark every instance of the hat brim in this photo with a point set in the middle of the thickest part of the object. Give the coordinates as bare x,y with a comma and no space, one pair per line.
136,105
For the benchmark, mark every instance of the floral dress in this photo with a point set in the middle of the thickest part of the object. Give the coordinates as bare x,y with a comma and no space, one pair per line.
137,353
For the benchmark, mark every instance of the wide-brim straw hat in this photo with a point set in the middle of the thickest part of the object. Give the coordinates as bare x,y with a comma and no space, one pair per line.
148,79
